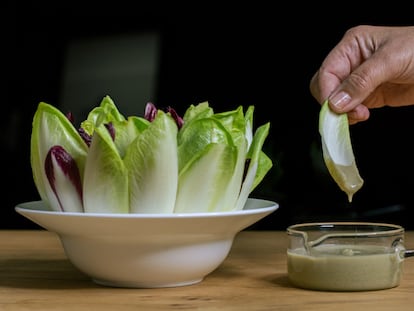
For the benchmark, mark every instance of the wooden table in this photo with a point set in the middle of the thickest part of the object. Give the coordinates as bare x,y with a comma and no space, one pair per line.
36,275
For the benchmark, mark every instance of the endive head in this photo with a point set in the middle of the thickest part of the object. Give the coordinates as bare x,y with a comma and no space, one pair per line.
116,164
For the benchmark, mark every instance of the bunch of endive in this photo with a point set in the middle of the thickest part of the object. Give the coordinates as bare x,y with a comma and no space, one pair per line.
159,163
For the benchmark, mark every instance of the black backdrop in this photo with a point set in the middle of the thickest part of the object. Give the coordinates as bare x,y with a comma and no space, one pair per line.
257,55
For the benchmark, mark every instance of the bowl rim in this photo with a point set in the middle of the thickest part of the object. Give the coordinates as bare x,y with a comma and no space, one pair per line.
38,207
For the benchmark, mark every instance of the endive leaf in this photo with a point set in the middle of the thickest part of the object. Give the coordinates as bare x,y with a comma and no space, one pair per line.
106,112
105,186
232,120
126,131
196,135
199,111
201,143
203,187
256,154
258,167
50,128
337,150
235,123
239,128
248,116
151,160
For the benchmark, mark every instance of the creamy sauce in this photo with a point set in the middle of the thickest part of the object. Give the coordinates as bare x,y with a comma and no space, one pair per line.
345,268
347,177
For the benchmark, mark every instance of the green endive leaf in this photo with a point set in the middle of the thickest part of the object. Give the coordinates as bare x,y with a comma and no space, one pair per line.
51,127
256,154
337,150
239,126
248,117
126,131
201,143
199,111
259,164
235,123
193,138
106,112
152,164
232,120
203,187
105,186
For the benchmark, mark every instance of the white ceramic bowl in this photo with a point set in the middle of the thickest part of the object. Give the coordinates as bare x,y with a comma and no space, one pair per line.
147,250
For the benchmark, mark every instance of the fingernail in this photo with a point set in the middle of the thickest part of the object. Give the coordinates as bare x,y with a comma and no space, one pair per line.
340,100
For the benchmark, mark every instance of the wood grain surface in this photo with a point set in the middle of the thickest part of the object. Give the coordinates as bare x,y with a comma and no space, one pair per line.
35,274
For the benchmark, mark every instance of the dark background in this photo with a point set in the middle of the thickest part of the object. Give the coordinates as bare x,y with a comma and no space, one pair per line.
259,55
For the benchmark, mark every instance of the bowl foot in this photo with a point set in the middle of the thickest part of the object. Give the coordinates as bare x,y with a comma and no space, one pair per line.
145,285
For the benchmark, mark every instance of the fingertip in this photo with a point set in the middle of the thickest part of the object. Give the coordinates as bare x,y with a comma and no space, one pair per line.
358,114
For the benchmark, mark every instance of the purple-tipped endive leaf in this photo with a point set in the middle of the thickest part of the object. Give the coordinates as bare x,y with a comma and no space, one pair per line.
64,180
152,164
50,128
105,185
150,112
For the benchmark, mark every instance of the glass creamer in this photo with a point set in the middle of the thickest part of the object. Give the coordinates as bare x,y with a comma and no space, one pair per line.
346,256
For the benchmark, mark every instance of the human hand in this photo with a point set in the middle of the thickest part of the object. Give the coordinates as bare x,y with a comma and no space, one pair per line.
371,67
